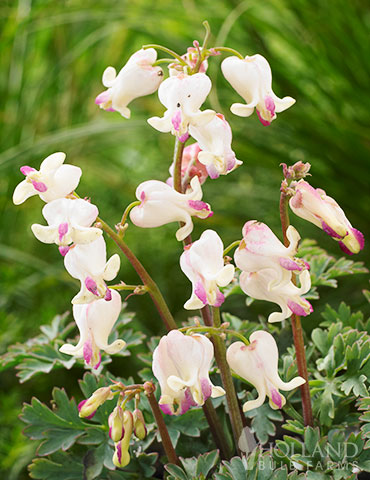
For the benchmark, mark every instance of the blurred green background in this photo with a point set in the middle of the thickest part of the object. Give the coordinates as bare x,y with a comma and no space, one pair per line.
53,54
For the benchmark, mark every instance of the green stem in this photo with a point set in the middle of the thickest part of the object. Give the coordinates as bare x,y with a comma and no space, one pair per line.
177,159
167,50
126,212
165,437
228,50
126,287
297,326
231,246
162,60
202,51
214,331
147,280
227,381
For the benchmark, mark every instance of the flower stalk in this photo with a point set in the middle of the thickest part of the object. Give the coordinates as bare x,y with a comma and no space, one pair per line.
149,389
227,381
296,324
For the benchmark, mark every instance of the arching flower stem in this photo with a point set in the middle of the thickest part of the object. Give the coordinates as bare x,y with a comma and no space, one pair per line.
214,331
166,50
228,50
125,215
296,323
231,246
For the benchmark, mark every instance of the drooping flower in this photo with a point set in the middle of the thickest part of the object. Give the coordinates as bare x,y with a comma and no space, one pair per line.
161,204
87,408
140,429
203,263
115,424
314,205
214,139
288,296
181,365
190,166
69,222
258,364
183,95
95,321
136,79
121,456
260,248
251,78
88,263
54,180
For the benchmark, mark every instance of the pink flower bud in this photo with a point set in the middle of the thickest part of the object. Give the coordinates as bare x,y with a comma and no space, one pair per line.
87,408
115,423
121,456
314,205
139,424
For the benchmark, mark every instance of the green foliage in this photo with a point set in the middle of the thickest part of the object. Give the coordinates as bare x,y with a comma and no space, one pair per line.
343,366
324,268
194,468
263,419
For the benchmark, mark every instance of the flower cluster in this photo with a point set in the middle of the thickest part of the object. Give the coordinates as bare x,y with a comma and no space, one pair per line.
267,268
122,422
96,307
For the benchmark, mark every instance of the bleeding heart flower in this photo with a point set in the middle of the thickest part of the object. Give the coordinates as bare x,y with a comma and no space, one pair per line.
69,222
203,263
258,285
88,263
54,180
95,321
183,95
136,79
181,365
161,204
251,78
214,139
257,363
260,249
320,209
87,408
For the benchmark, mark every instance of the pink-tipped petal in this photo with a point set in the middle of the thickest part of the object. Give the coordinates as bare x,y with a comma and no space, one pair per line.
289,264
264,122
330,231
108,295
62,230
219,299
91,285
184,137
359,237
176,120
87,352
276,398
198,205
39,186
200,292
64,250
270,105
27,170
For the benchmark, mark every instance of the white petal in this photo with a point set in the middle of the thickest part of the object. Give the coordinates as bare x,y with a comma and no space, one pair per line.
44,234
109,76
112,267
83,235
52,162
226,275
23,191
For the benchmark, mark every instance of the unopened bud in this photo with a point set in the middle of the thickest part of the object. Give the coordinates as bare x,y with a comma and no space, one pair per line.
87,408
139,424
297,171
115,423
121,456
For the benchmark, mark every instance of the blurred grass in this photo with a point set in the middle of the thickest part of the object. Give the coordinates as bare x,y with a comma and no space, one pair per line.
53,54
